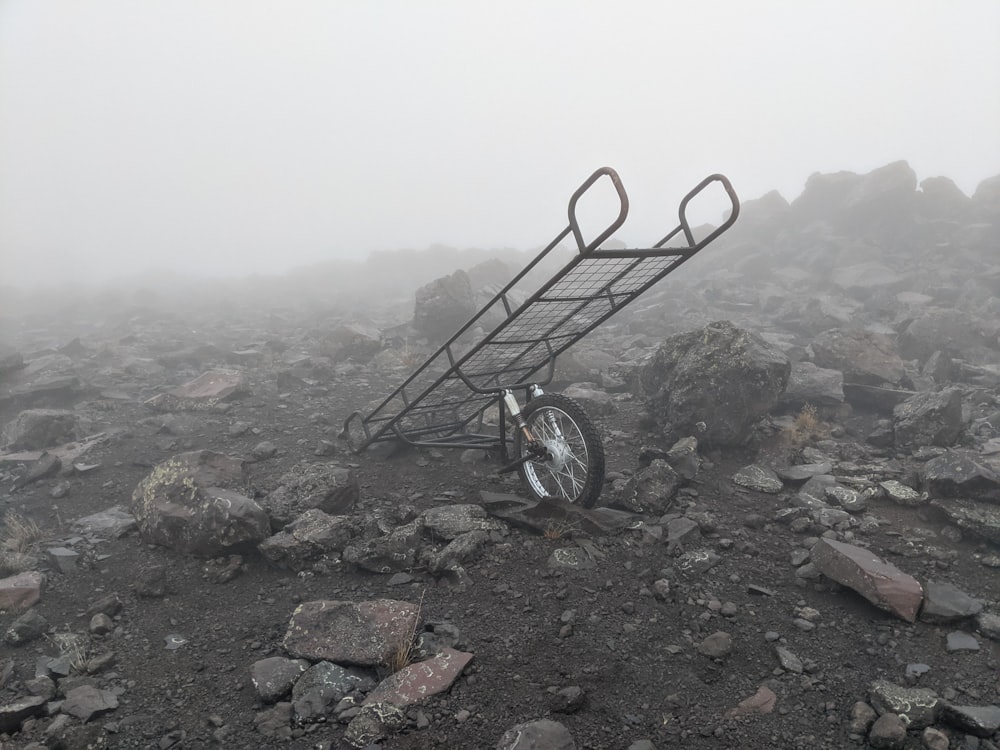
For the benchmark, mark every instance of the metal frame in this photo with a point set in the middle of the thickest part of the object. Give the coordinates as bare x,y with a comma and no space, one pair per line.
443,403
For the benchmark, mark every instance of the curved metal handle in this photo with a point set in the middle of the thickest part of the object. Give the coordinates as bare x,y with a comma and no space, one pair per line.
574,225
733,199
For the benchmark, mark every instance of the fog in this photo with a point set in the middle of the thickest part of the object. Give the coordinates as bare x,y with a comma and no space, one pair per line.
235,137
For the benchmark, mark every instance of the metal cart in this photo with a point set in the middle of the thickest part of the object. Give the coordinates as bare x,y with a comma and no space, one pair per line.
551,441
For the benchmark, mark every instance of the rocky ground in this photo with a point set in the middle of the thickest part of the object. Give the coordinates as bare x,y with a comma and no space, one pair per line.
819,573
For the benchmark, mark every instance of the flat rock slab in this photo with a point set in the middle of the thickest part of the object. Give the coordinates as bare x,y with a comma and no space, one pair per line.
112,523
361,633
759,478
944,602
543,734
982,721
206,391
901,494
21,591
67,452
417,682
881,583
449,521
86,702
959,641
802,472
542,516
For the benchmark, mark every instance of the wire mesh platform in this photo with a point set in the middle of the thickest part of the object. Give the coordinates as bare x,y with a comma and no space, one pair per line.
446,402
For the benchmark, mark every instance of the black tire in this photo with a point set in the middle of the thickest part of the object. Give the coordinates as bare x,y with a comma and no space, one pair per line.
573,468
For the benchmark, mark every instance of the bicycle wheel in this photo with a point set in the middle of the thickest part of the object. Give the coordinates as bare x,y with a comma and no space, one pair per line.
573,464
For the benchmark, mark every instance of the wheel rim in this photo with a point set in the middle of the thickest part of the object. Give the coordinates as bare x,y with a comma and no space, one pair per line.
565,473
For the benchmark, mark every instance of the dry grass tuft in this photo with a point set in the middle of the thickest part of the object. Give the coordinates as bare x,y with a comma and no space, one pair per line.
73,647
405,652
556,530
806,428
18,540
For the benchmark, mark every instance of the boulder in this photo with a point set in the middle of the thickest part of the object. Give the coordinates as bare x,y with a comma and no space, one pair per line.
365,634
651,489
205,392
414,683
443,306
34,429
446,522
310,538
881,583
949,330
929,418
183,504
958,473
809,384
328,487
862,356
721,379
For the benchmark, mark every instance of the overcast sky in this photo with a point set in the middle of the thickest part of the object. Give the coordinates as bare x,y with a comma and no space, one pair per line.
240,136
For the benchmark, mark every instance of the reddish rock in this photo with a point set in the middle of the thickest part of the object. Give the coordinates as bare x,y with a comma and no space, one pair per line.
365,633
21,591
881,583
761,702
414,683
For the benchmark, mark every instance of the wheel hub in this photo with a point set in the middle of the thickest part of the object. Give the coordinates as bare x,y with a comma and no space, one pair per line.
559,453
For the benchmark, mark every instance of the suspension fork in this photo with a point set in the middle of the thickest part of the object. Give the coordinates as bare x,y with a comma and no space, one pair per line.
535,448
514,409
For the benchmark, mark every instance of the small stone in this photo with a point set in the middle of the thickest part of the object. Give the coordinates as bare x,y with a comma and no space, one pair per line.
888,732
101,624
934,739
62,559
568,700
26,628
789,661
959,641
716,646
988,625
862,717
758,478
264,450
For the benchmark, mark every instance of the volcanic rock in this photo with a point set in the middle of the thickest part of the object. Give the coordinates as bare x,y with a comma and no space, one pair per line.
181,505
722,376
929,419
879,582
39,428
365,633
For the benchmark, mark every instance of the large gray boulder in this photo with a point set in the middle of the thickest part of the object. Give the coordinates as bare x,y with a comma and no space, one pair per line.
929,418
328,487
863,356
951,331
723,376
33,429
443,306
190,503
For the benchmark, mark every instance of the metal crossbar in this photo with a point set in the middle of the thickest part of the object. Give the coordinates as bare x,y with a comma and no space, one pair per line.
446,401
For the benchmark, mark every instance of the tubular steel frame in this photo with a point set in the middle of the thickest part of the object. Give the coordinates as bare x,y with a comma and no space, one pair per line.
443,403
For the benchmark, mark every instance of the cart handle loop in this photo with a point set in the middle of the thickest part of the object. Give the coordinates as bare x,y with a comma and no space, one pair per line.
574,225
733,215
